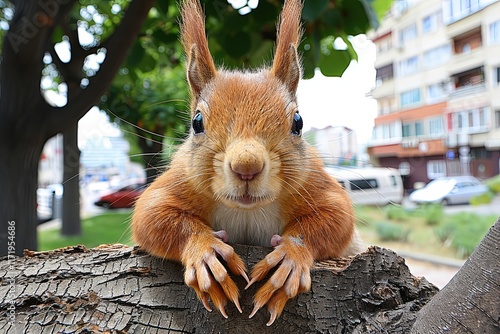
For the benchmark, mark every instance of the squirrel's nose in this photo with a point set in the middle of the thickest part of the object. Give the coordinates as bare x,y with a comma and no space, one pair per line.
247,165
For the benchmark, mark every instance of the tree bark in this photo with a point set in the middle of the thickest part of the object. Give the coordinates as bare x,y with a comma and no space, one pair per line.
119,289
470,303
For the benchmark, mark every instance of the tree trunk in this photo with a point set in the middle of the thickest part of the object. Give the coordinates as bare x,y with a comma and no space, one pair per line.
18,183
120,289
71,182
470,303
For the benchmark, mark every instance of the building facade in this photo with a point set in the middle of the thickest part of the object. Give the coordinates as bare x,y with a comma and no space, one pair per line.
438,89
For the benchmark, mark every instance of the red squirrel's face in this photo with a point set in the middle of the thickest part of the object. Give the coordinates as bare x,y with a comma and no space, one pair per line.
245,139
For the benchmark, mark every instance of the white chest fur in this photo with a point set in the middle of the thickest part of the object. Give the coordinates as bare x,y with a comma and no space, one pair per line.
248,226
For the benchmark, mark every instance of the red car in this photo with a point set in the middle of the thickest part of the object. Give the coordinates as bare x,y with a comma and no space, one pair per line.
122,198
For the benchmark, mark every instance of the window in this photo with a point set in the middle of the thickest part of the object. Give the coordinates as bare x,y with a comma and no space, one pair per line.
495,32
496,76
436,125
386,132
437,92
413,129
437,56
468,41
471,121
458,9
435,169
407,34
497,118
410,97
363,184
408,66
432,22
384,73
469,78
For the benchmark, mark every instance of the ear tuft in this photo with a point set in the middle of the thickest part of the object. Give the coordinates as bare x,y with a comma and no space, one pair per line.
200,65
286,65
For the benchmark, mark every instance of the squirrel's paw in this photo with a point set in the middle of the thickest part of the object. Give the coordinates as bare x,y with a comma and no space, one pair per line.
207,276
291,278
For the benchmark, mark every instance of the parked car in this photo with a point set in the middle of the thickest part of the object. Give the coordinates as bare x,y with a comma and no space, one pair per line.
370,185
124,197
49,202
449,190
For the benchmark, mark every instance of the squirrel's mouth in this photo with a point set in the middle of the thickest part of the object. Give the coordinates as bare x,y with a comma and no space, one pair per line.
247,199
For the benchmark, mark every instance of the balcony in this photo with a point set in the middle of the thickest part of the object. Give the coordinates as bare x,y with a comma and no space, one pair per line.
383,88
466,91
468,84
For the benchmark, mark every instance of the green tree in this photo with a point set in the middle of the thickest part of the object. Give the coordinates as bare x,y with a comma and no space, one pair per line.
33,28
151,114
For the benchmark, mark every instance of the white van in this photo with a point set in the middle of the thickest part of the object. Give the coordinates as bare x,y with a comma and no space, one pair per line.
371,185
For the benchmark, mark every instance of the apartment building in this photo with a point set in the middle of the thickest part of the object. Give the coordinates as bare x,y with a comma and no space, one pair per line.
337,145
438,89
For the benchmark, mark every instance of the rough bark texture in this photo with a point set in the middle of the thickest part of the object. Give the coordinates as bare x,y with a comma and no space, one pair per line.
470,303
119,289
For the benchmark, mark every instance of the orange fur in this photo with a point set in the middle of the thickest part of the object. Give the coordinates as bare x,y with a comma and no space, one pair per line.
246,174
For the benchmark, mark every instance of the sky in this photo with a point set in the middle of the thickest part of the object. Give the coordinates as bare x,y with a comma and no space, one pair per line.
325,101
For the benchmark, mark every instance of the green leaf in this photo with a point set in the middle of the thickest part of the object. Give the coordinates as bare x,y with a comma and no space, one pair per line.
313,9
332,19
380,7
135,55
162,6
355,20
350,47
334,62
148,63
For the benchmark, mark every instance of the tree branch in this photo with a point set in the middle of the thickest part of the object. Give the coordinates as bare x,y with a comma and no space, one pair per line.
471,296
115,288
117,46
23,49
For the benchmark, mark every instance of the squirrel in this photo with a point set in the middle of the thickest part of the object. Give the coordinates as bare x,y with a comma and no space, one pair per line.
245,175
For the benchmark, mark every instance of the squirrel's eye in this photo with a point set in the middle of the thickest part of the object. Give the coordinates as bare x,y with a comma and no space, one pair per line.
198,127
297,124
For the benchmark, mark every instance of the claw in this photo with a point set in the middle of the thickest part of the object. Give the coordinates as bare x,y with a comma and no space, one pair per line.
222,311
271,320
255,309
237,303
249,283
204,300
292,261
208,276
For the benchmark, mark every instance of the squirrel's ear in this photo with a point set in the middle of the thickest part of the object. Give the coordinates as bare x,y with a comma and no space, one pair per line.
199,70
286,65
200,65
